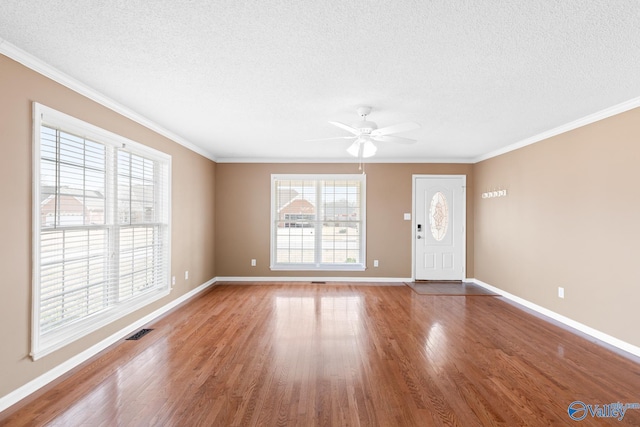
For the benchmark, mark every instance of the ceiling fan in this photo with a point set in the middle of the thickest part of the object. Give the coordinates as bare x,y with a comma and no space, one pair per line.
365,133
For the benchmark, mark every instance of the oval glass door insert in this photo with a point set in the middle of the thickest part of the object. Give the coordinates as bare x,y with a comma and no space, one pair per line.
439,216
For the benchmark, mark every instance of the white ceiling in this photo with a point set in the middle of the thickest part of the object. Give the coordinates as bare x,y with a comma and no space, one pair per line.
252,80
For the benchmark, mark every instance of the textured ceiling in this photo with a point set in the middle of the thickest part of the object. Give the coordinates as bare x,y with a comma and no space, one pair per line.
256,79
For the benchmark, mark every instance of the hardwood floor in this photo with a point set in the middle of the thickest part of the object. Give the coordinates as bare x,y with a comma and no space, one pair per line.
340,354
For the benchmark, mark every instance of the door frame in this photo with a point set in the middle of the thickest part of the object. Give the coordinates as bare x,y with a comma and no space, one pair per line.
414,178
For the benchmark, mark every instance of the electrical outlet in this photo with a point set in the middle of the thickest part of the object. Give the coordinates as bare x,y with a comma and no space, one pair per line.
173,280
253,263
375,263
560,292
186,275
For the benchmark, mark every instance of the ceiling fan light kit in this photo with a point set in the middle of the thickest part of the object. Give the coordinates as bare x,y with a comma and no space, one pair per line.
365,133
362,148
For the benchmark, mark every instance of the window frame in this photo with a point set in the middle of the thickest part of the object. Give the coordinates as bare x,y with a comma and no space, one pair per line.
318,266
44,343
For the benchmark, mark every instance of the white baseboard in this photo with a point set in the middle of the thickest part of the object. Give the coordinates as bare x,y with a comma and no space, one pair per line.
601,336
251,279
32,386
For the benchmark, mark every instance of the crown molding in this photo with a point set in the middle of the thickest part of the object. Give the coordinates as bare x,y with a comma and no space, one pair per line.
591,118
41,67
420,160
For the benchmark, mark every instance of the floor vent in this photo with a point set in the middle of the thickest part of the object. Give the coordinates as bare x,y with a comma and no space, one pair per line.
139,334
318,283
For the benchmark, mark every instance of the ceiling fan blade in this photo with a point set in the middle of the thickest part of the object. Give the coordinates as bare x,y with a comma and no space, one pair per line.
395,139
330,139
402,127
346,127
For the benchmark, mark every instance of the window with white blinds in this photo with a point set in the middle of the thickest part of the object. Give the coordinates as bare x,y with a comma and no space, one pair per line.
101,228
318,222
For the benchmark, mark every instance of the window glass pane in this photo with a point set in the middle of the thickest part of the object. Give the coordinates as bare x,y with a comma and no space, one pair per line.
296,214
136,189
439,216
71,149
71,272
72,180
48,145
124,187
340,242
137,259
317,221
95,155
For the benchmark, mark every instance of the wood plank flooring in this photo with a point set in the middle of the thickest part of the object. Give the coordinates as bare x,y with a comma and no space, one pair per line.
340,355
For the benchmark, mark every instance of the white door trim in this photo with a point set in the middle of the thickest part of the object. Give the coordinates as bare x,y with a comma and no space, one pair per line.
414,178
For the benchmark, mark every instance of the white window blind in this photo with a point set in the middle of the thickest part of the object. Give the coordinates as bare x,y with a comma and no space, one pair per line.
101,221
318,222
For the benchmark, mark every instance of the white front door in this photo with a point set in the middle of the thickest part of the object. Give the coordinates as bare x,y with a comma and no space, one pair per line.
439,232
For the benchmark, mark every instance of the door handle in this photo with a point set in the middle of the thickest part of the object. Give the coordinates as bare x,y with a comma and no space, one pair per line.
418,237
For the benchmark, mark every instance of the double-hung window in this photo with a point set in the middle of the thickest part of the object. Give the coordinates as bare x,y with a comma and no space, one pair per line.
101,244
318,222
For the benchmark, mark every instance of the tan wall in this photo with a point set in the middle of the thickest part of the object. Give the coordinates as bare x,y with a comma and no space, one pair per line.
192,214
243,194
571,219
